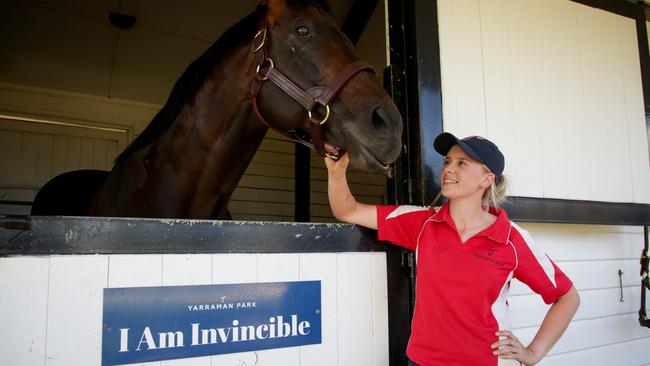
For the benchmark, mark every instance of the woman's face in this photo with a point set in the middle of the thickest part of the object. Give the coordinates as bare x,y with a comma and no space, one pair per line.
462,176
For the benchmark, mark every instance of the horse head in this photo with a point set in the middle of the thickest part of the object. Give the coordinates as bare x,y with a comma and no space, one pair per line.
300,43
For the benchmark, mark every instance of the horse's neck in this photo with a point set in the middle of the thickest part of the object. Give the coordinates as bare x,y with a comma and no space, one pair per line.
215,136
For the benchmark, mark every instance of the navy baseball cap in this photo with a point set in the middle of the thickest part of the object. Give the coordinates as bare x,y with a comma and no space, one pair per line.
479,148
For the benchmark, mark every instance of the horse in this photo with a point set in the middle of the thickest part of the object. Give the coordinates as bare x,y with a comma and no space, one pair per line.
286,66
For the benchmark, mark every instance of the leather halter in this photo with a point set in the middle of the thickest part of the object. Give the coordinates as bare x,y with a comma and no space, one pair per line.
315,98
645,281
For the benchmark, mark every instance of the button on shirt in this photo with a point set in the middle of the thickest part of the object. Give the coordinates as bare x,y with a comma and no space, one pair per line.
461,288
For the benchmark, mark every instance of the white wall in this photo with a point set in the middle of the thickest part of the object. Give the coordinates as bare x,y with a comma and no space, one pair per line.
604,331
59,320
557,85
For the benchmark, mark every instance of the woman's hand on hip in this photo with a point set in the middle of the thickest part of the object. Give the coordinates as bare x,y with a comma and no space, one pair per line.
509,347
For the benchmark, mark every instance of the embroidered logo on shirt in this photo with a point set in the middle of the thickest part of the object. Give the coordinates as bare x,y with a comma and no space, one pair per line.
490,252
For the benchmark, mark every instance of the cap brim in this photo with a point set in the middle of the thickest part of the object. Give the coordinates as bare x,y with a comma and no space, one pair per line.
445,141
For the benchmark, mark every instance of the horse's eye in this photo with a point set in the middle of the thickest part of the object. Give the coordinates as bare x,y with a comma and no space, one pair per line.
302,31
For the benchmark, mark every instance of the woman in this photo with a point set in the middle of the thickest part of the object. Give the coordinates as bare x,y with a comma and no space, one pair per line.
467,252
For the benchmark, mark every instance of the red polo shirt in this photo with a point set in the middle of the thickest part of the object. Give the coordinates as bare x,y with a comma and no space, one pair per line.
461,287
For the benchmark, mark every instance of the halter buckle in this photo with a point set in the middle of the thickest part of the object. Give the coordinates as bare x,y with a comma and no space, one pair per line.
327,115
332,156
257,71
262,33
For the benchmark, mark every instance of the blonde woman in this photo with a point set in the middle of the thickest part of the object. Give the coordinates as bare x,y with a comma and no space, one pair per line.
467,251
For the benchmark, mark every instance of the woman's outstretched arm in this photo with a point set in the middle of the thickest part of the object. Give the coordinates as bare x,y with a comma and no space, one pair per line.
344,207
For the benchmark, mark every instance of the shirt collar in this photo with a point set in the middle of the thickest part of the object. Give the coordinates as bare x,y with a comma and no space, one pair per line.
499,231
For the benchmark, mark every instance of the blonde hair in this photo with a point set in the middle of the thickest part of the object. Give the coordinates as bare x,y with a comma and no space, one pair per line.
493,196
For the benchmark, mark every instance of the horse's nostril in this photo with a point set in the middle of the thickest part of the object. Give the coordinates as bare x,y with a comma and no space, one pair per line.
379,120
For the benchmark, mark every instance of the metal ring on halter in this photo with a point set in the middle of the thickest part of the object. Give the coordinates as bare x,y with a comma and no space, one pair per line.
332,156
327,114
263,33
257,71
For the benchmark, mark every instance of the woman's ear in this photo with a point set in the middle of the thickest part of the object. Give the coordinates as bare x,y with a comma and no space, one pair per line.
487,180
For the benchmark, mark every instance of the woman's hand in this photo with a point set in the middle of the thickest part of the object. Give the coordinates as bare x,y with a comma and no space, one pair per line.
510,348
555,322
336,168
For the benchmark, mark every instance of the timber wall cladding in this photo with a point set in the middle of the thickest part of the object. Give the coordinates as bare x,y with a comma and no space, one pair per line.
557,85
63,325
605,330
32,153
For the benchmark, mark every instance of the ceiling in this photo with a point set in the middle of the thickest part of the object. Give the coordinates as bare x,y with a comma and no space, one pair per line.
70,45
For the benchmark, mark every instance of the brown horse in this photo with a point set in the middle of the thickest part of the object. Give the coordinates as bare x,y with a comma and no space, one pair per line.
286,66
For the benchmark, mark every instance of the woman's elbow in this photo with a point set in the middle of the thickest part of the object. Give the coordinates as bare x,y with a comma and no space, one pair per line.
345,217
342,215
572,299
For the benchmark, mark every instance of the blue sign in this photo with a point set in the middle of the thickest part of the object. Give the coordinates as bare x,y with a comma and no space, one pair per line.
162,323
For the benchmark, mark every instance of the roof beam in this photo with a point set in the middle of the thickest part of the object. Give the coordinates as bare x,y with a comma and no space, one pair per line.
357,18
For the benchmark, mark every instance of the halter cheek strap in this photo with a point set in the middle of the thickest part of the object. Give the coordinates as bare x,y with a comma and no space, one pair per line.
315,98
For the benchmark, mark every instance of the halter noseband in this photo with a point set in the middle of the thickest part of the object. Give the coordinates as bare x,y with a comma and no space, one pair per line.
313,98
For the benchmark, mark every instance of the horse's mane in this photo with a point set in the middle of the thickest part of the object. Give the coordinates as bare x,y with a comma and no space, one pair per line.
197,72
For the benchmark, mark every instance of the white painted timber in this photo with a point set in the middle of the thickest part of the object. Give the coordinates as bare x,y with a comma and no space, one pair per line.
74,315
607,320
498,83
557,85
24,293
461,56
60,318
318,266
379,302
354,300
523,170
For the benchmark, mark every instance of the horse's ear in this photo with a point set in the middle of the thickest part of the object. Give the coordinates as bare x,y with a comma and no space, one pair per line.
276,7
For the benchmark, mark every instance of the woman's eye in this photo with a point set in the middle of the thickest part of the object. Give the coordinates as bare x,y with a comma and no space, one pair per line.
302,31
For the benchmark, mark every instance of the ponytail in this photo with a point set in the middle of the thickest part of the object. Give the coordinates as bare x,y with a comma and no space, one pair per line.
495,194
